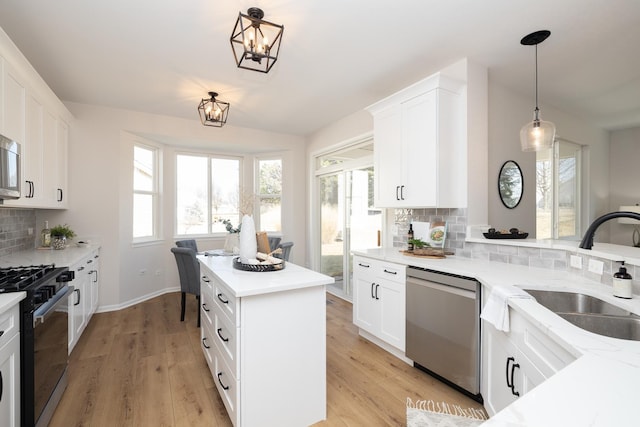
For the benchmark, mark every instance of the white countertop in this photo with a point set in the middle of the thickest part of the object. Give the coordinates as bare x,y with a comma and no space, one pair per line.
9,300
247,283
61,258
598,389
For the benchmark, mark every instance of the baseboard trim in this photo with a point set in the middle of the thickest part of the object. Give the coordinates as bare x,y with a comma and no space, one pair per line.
116,307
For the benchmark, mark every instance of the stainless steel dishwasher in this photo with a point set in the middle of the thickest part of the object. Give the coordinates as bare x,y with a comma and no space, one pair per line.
443,327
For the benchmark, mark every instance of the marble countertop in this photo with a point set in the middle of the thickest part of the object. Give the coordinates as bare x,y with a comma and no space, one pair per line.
598,389
247,283
9,300
62,258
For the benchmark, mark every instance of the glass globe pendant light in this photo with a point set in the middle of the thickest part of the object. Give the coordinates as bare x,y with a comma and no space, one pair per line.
538,134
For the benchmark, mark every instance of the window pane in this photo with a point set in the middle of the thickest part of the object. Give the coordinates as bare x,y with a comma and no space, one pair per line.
191,195
270,177
225,193
270,214
568,190
544,195
143,163
142,215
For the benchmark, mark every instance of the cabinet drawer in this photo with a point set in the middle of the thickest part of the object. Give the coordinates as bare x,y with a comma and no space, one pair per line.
228,387
226,302
206,284
365,266
207,307
548,356
392,272
226,339
207,344
9,324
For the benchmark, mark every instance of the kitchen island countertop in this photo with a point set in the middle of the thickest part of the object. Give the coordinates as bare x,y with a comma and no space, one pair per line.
247,283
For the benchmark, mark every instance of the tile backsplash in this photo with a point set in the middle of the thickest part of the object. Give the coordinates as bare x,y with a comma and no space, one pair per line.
456,219
15,225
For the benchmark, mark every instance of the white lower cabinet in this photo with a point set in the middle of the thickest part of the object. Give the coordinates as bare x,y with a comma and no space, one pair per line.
515,362
83,301
10,367
379,299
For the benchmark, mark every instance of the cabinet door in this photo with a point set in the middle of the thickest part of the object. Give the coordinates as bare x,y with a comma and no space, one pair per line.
420,150
93,264
366,308
14,105
500,368
392,313
10,383
81,299
49,166
14,101
387,157
62,144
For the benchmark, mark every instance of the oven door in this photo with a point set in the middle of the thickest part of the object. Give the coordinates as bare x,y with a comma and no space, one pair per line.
51,328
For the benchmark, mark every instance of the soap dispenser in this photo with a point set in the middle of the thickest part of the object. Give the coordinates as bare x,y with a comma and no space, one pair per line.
622,287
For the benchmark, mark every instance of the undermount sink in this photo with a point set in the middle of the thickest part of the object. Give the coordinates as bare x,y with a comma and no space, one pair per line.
590,313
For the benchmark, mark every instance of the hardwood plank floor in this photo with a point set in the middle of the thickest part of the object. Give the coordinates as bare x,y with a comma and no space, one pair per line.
141,366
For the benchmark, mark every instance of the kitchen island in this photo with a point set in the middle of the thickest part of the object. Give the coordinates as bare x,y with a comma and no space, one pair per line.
264,337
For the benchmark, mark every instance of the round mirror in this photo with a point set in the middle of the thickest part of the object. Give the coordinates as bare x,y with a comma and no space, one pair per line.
510,184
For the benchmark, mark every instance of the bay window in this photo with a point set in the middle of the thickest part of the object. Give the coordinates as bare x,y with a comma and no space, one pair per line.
207,193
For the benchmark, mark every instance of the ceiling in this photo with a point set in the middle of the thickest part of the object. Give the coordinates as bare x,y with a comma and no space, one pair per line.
337,57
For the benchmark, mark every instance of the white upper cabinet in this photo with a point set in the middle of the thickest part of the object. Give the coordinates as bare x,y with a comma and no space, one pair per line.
32,115
419,146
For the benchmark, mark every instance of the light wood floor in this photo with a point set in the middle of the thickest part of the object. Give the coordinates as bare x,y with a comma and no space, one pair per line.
141,366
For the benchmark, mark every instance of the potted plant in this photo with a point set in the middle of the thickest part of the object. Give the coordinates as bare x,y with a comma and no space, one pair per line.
59,236
232,241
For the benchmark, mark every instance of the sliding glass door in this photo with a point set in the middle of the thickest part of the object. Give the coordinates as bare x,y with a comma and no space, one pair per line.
347,219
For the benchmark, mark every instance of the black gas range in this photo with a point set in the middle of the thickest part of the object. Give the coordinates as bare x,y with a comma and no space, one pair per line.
35,280
44,324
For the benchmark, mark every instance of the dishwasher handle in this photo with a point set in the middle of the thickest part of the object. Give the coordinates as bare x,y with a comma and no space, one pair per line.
443,288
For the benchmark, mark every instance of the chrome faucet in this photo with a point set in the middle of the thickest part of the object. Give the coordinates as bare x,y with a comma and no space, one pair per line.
587,240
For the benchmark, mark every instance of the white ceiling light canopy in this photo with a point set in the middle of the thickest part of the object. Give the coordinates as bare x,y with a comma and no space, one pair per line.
213,112
538,134
255,42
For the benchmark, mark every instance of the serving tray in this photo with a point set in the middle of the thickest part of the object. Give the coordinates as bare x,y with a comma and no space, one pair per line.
239,265
426,253
505,236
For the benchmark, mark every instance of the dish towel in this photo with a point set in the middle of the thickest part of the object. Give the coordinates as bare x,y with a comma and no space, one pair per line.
496,310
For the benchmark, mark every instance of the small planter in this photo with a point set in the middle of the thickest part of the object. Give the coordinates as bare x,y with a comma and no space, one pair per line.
232,243
58,242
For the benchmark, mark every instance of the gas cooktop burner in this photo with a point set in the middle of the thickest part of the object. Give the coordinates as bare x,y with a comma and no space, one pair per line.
13,279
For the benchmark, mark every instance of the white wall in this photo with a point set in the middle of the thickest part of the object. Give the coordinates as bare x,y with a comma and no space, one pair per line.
100,196
624,158
508,112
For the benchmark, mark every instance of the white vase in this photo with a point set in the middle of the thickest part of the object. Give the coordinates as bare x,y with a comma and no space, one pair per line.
248,243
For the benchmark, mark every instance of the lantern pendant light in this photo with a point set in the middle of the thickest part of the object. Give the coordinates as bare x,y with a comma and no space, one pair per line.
213,112
538,134
255,42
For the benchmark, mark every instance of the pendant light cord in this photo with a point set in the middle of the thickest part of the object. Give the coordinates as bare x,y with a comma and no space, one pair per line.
536,79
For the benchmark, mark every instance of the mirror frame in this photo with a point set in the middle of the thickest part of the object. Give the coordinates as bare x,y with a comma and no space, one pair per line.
511,164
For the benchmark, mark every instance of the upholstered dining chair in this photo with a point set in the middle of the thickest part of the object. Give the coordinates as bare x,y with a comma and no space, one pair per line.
189,272
273,242
286,250
188,243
